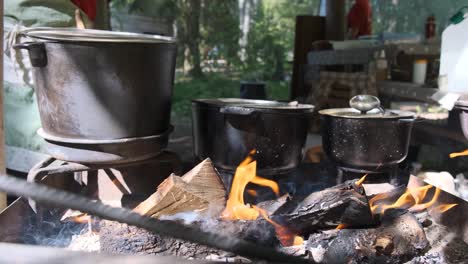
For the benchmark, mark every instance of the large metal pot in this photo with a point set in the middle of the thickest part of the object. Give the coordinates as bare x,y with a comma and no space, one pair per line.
366,138
226,130
101,85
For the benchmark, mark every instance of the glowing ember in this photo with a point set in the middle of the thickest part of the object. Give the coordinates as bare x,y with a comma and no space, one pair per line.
459,154
360,181
246,173
340,226
443,208
285,236
81,219
412,199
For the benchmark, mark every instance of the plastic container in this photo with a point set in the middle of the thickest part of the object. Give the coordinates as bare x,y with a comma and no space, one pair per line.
454,57
419,71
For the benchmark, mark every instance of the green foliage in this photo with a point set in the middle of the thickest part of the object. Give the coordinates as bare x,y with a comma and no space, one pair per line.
220,29
216,86
272,36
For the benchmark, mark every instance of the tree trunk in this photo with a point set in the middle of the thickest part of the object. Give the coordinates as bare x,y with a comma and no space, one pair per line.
102,20
279,64
193,10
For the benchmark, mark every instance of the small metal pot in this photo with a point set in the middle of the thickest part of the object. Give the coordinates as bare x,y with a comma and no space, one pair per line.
366,138
101,85
226,130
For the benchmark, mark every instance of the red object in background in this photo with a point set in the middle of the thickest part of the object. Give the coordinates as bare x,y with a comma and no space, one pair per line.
88,7
360,17
430,27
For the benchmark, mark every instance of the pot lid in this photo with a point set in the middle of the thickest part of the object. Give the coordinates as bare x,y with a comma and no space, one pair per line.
93,35
256,104
373,114
366,106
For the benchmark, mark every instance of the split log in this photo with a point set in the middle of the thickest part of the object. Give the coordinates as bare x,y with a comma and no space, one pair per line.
399,239
200,189
344,204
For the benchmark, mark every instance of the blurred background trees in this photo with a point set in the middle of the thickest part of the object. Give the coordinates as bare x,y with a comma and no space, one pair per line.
221,42
253,38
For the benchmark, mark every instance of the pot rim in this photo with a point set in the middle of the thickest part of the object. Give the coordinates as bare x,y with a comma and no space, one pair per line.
261,105
92,35
351,113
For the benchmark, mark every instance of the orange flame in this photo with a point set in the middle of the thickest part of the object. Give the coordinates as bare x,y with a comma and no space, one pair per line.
360,181
419,207
267,183
412,199
459,154
246,173
340,226
285,236
443,208
236,209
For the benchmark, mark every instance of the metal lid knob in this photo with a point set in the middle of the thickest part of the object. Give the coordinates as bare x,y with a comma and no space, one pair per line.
365,103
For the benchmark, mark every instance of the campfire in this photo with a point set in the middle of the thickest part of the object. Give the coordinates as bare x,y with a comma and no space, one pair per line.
327,226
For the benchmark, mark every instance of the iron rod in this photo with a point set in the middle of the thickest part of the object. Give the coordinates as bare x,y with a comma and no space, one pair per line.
63,199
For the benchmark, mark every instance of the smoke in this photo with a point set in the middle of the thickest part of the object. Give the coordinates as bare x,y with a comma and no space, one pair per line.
48,230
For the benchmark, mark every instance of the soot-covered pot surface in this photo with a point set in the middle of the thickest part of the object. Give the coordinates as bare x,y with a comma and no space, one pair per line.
227,129
366,138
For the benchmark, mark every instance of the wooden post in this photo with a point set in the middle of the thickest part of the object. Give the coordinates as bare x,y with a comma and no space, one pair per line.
102,20
336,22
308,30
3,202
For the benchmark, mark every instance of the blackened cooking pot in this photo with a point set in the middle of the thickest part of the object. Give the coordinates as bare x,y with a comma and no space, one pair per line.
226,130
365,140
101,85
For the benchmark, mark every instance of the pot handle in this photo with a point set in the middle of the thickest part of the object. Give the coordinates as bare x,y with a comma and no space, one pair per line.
237,110
411,120
37,52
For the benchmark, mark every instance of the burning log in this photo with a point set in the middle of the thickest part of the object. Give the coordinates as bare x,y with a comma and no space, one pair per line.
199,190
398,239
120,238
344,204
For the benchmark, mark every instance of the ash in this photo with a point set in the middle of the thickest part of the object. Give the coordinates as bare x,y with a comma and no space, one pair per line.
89,241
446,247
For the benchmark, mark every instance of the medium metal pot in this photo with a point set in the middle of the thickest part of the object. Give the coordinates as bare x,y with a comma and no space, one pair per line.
226,130
101,85
366,138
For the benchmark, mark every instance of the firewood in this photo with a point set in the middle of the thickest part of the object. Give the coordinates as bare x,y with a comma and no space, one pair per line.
117,238
344,204
398,239
271,206
198,190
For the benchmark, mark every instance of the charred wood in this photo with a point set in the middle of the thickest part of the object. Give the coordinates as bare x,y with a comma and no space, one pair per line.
399,239
344,204
124,239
